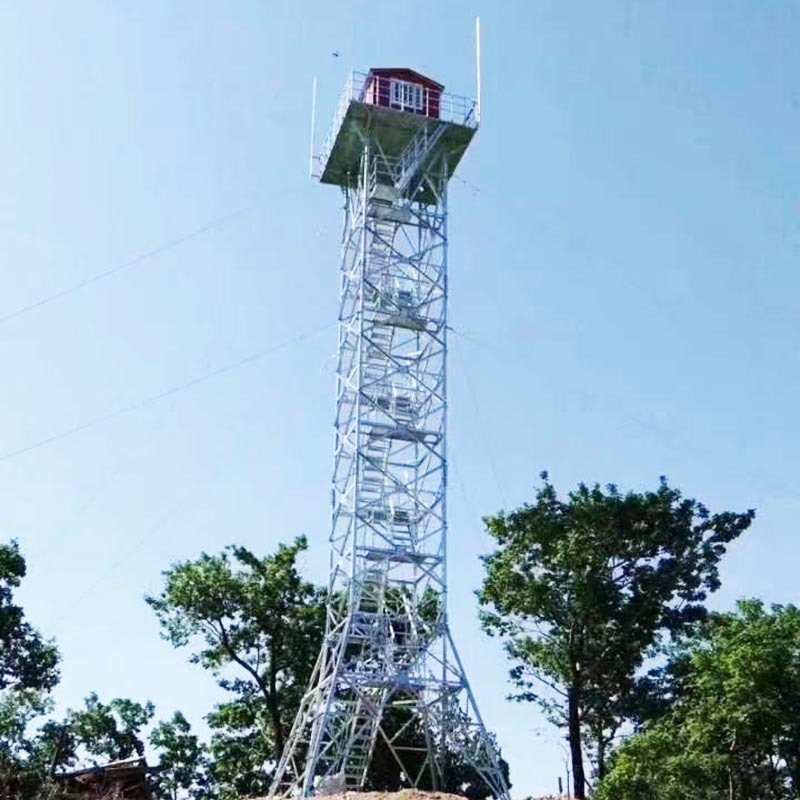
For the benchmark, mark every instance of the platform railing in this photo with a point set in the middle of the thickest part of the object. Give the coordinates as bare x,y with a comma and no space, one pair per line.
446,107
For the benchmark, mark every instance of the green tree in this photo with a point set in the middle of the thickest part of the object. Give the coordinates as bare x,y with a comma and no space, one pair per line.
257,625
183,760
27,660
580,589
28,672
241,742
101,732
733,730
24,764
33,746
90,736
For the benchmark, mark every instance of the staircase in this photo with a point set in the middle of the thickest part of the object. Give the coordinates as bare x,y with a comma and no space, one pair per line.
413,158
365,714
402,526
373,477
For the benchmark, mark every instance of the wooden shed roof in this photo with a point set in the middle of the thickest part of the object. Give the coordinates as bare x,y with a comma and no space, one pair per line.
394,70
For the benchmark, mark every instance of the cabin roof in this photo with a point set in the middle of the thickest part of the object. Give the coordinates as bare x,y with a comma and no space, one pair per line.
128,779
395,70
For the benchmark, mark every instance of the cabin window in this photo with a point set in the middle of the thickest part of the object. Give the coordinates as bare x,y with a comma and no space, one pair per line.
406,96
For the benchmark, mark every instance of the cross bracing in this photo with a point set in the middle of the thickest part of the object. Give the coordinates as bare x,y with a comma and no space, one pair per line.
388,672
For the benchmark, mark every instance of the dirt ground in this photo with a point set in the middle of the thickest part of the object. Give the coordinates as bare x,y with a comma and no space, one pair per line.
407,794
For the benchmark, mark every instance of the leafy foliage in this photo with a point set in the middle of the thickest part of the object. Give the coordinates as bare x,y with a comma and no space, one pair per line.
734,728
183,767
23,761
101,732
241,743
581,589
27,661
33,745
28,671
257,625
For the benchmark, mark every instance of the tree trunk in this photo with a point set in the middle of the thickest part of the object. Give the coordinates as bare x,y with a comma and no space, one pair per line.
575,749
731,782
59,746
274,709
601,755
793,762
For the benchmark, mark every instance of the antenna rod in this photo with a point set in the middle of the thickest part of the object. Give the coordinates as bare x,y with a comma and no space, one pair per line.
478,65
313,126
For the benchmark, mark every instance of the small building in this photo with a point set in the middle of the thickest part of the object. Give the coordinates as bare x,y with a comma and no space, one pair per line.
404,113
403,89
129,779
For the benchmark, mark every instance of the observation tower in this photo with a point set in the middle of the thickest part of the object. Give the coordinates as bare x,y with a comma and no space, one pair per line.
389,680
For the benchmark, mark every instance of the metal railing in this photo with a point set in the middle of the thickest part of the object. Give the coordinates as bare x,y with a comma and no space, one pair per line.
434,104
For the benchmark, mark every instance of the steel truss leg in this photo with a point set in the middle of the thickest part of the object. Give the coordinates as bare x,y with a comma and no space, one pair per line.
389,678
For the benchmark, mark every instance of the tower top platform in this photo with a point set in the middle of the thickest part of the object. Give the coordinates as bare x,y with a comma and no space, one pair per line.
388,107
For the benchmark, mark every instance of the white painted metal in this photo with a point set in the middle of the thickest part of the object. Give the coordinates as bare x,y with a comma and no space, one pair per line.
388,672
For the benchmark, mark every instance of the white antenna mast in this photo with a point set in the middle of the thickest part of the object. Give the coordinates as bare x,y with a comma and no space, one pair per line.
313,126
478,65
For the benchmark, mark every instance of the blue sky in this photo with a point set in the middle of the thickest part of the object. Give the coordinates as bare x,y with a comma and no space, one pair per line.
624,248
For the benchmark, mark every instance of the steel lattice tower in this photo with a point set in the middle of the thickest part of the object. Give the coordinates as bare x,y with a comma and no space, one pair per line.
388,672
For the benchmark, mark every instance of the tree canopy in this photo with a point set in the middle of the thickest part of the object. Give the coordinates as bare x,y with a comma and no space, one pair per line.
732,731
27,660
257,625
34,745
580,589
183,760
101,732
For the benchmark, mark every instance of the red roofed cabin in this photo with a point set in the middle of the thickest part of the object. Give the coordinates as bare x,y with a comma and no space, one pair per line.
403,90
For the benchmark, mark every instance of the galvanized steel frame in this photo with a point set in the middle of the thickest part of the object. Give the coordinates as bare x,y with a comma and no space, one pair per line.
387,642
